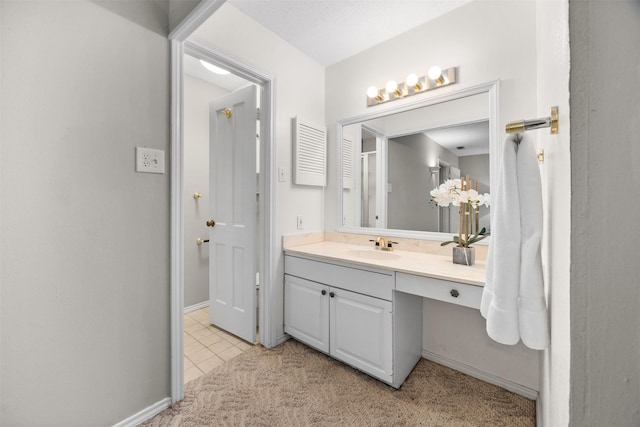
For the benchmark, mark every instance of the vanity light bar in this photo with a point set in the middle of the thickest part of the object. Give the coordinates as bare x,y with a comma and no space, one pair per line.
412,85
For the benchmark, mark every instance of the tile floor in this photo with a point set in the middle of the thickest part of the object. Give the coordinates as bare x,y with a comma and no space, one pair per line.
205,346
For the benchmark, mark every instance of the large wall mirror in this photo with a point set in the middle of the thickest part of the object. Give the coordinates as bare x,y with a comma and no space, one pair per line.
391,161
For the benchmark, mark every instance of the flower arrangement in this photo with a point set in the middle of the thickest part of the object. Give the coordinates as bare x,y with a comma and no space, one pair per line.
461,192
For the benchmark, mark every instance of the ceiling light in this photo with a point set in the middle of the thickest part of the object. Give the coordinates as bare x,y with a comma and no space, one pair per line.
214,69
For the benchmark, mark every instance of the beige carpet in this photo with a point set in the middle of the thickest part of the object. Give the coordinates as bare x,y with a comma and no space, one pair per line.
293,385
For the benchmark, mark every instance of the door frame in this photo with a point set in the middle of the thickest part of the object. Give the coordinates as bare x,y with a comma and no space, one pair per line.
267,244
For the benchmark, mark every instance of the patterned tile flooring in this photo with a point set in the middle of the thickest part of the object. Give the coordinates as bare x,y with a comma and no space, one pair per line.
205,346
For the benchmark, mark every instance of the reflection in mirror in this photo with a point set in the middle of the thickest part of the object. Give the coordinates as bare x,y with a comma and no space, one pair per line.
401,157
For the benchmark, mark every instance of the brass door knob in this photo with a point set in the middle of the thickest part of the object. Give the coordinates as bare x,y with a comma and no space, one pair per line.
211,223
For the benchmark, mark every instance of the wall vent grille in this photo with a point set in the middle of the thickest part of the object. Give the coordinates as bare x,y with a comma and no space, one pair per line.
347,163
309,153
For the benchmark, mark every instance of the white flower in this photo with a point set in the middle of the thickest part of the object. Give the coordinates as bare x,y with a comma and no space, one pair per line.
450,193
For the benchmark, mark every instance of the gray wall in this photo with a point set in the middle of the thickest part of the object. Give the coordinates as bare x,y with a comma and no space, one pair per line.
411,179
605,154
84,238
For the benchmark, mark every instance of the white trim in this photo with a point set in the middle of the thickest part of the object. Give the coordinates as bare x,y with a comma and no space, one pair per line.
524,391
195,307
539,411
281,339
238,66
177,225
194,19
145,414
268,188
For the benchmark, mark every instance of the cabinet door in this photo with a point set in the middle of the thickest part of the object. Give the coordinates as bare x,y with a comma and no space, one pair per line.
306,312
360,331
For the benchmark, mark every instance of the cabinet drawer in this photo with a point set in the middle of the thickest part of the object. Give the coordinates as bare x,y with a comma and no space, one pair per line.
377,285
443,290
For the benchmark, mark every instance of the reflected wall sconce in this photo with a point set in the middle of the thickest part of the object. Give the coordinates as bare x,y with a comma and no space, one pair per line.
413,84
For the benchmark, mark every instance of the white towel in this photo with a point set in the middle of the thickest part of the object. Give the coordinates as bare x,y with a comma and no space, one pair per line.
513,299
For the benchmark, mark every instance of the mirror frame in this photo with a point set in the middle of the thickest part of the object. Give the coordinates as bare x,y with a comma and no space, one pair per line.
491,88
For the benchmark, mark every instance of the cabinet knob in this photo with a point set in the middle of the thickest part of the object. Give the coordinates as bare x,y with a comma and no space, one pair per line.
331,294
454,293
323,292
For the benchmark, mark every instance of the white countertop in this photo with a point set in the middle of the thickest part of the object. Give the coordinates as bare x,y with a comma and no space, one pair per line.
423,264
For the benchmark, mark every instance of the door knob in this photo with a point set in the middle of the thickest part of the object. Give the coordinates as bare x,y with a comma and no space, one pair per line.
211,223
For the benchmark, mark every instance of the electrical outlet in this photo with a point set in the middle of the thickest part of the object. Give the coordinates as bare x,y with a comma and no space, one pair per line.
299,222
281,175
149,160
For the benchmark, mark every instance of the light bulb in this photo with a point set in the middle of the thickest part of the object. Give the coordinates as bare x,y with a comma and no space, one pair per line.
213,68
435,73
372,92
413,81
392,86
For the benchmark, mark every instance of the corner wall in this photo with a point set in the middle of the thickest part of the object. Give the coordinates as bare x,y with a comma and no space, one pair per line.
605,154
85,239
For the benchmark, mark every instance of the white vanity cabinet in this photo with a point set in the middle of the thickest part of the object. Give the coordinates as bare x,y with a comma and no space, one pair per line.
354,315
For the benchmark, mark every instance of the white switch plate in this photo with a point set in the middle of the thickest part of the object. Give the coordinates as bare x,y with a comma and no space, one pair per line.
299,222
281,176
149,160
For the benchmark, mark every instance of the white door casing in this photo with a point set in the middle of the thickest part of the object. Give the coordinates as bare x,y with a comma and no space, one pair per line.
233,238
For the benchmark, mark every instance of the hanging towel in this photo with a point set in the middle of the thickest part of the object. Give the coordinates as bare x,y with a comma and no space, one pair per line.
513,299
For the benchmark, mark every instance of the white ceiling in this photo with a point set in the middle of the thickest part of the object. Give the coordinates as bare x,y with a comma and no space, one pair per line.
332,30
474,137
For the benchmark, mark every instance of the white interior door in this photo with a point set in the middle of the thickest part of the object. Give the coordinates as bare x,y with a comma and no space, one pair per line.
232,239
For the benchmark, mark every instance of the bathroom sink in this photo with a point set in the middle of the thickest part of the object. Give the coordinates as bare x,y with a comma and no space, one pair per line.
373,254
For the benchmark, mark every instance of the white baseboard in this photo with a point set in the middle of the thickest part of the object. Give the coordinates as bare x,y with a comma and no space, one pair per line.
195,307
281,339
524,391
145,414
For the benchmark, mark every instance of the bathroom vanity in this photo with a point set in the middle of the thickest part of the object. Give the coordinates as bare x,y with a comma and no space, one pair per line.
364,306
